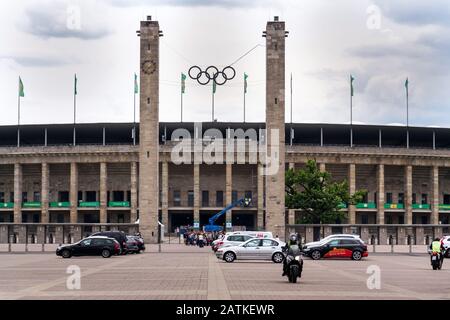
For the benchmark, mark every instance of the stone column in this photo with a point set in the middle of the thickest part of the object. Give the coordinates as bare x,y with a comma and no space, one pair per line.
73,192
402,237
437,232
420,236
352,190
103,193
383,236
327,231
408,194
435,195
380,194
275,125
196,193
228,190
45,193
260,186
22,233
165,195
3,234
309,236
76,233
40,234
134,191
149,130
17,193
59,237
365,234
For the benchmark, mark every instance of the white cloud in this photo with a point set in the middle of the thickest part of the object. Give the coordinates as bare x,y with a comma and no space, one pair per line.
328,41
192,3
61,19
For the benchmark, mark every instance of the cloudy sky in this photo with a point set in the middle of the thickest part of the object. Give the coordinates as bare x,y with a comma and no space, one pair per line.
379,42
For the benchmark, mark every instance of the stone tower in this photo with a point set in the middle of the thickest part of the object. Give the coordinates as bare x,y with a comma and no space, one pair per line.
149,130
275,105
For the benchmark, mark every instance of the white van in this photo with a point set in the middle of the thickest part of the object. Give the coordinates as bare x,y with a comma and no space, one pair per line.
238,237
254,234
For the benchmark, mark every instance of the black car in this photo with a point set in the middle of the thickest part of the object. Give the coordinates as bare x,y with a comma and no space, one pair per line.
132,245
140,243
92,246
337,248
120,236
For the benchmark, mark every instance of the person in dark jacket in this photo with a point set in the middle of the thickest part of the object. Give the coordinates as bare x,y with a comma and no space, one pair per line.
292,248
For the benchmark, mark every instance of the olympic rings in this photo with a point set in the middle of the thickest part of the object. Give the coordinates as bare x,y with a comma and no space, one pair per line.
212,73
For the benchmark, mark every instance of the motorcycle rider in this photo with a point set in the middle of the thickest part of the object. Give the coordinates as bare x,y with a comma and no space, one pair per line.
437,247
292,248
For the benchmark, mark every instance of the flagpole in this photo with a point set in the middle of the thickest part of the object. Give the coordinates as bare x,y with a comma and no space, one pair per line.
351,102
244,103
181,105
291,97
407,106
134,115
18,117
351,112
407,113
213,103
74,109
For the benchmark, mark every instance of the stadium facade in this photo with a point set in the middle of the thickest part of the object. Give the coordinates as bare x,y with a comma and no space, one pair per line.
100,174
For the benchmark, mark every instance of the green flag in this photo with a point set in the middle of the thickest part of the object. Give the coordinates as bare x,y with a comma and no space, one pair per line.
136,86
351,85
406,83
245,82
183,83
214,86
21,89
75,90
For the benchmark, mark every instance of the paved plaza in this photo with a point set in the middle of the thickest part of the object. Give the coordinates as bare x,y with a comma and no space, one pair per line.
181,272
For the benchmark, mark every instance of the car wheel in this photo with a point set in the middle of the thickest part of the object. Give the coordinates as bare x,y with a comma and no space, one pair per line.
356,255
229,256
106,253
315,255
277,257
447,254
66,254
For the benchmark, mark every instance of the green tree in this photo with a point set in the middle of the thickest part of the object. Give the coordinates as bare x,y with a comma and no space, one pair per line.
314,193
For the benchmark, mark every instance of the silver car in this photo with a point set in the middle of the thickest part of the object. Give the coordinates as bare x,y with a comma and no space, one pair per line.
253,249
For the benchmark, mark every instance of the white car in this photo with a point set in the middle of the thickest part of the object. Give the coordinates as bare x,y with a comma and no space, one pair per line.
445,240
230,240
253,249
333,236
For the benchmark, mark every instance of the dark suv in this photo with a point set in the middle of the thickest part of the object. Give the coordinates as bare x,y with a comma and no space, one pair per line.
120,236
92,246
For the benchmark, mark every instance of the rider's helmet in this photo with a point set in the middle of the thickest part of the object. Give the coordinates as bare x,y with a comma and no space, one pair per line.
293,239
437,239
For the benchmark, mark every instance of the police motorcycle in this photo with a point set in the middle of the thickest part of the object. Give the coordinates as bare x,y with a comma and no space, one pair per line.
293,261
436,260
